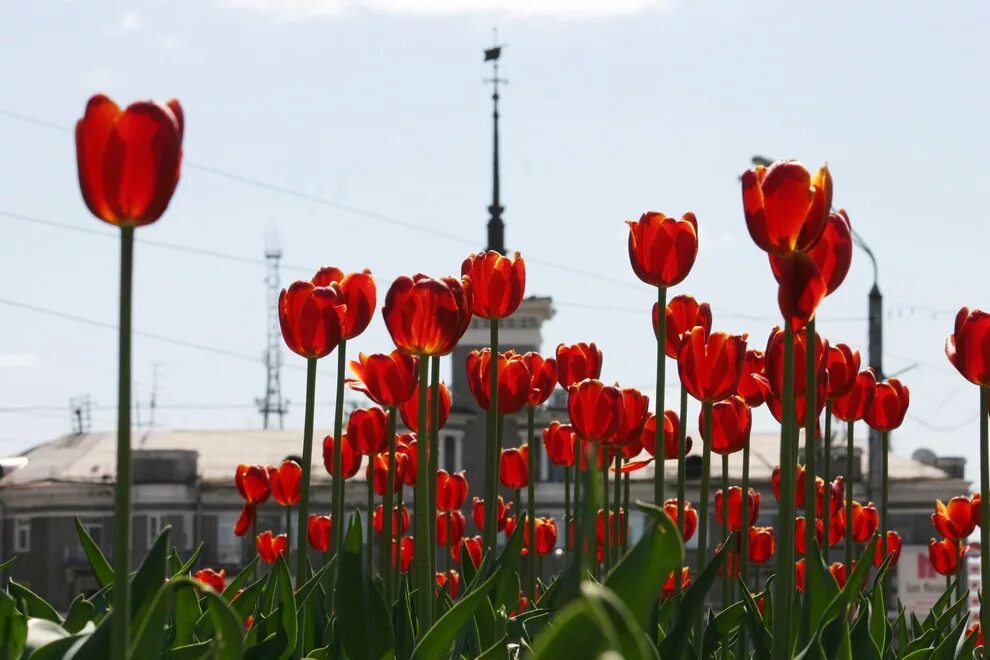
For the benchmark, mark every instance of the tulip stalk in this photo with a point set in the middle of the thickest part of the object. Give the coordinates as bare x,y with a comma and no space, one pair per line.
625,507
396,533
681,479
491,465
288,532
659,474
810,424
706,462
338,467
307,463
744,540
606,515
387,504
984,504
726,568
849,494
620,534
434,455
122,487
567,507
827,475
421,557
884,451
531,498
784,583
371,519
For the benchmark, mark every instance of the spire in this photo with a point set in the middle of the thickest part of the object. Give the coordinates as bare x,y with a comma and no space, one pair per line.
496,228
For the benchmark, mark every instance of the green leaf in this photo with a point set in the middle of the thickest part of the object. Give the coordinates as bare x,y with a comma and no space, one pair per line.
497,651
488,631
305,591
759,634
506,567
692,607
239,580
148,640
147,582
187,613
97,561
820,591
40,633
287,604
880,631
7,564
946,650
197,651
228,629
13,629
721,626
245,603
863,646
405,635
580,630
193,558
639,575
81,612
36,606
56,649
362,609
94,645
634,644
920,654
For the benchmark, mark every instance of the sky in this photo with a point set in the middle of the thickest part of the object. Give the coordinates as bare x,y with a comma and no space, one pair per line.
357,133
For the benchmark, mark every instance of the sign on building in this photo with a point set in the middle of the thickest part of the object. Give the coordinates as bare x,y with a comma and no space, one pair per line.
918,585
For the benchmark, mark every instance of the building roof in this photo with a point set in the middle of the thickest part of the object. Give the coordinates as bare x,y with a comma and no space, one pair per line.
90,457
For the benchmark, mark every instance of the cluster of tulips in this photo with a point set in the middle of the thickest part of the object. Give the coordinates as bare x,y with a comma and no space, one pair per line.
128,169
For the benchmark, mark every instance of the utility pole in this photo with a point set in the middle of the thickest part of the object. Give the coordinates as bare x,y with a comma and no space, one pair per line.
496,227
80,409
272,403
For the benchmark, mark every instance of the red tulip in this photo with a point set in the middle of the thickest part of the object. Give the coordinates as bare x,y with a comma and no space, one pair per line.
312,318
671,425
559,441
893,549
633,410
690,518
731,563
838,571
271,546
410,408
945,555
513,467
253,483
866,520
731,422
244,521
735,507
776,406
456,521
546,535
975,629
450,580
497,283
216,580
427,316
452,490
594,410
955,519
128,160
800,527
388,379
799,568
578,362
842,364
775,362
616,525
682,314
975,507
407,445
405,548
400,520
514,380
752,390
798,485
670,585
832,253
543,372
604,456
801,288
890,403
367,429
473,546
852,406
661,249
835,489
359,296
478,512
318,532
378,468
786,207
762,544
285,483
350,460
710,366
968,348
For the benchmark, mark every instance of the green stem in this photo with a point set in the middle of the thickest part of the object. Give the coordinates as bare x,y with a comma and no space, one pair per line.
567,507
388,498
396,533
660,446
421,557
984,506
307,462
681,479
849,495
617,505
827,475
744,540
254,541
625,507
727,568
703,494
338,464
578,481
434,455
606,515
586,519
531,498
884,453
784,584
810,422
371,526
491,464
122,487
288,533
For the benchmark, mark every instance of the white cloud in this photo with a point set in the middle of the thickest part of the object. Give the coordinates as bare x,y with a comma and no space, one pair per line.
557,9
96,79
130,22
13,360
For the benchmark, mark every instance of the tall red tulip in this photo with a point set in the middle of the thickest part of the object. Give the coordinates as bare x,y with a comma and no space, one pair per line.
406,549
799,494
377,471
425,315
594,409
450,528
312,318
271,546
775,361
731,422
388,379
709,366
474,550
661,249
750,388
968,348
955,519
514,380
318,531
410,409
670,433
546,535
452,490
215,580
543,377
735,507
497,283
762,544
285,483
128,160
682,313
513,468
842,364
832,253
866,520
833,491
633,411
945,555
400,520
350,458
890,403
359,296
578,362
560,442
786,206
478,512
852,406
253,483
367,429
407,446
451,581
893,550
690,518
800,290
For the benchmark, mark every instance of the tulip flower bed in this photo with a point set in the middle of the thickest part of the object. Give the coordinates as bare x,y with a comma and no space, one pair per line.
382,590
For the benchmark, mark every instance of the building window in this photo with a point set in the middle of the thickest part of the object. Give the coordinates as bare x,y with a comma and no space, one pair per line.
228,543
22,534
450,456
154,527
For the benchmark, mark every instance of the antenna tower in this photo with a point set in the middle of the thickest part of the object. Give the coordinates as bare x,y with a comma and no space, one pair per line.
272,404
